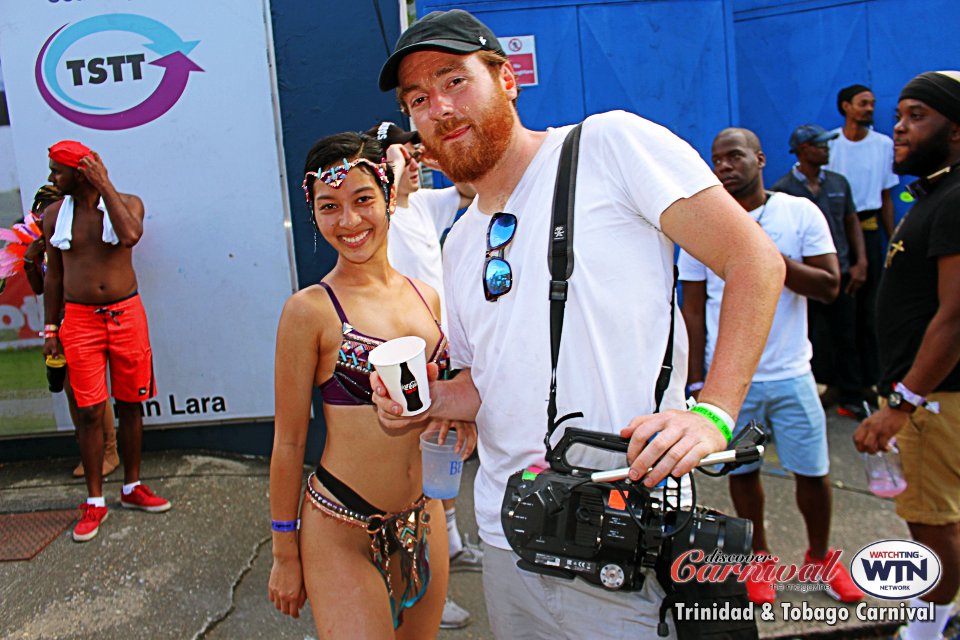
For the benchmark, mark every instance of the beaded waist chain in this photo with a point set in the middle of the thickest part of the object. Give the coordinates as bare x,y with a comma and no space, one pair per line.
372,523
404,531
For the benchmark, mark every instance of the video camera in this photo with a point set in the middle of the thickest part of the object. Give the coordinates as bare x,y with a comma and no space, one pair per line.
568,521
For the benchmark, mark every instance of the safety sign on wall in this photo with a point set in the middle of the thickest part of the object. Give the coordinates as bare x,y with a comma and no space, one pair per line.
522,51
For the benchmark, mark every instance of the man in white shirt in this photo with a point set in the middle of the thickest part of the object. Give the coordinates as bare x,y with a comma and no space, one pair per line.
783,394
639,189
865,158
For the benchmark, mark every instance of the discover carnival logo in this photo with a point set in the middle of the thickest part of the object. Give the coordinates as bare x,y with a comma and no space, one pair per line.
895,569
87,66
889,569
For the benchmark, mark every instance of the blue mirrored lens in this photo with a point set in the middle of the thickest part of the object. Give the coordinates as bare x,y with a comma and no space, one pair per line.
502,228
498,277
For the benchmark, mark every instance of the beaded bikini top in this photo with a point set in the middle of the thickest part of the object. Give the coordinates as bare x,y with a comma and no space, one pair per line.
350,382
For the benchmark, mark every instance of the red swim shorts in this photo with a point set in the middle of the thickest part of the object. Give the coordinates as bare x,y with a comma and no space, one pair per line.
94,334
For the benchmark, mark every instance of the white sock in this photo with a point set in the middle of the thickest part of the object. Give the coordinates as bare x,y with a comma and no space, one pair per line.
453,533
927,629
97,502
128,488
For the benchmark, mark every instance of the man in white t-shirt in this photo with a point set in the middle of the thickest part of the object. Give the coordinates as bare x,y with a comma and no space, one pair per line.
783,394
865,158
413,248
639,189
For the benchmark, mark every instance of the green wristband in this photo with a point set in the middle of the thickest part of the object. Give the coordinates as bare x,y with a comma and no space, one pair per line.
717,421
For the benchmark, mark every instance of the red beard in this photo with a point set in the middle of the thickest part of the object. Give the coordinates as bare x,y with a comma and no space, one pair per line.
492,131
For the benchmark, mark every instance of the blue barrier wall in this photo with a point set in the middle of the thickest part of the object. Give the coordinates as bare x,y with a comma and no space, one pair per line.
697,66
327,79
669,61
793,56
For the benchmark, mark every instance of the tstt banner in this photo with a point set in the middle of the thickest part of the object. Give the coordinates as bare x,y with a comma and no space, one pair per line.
178,98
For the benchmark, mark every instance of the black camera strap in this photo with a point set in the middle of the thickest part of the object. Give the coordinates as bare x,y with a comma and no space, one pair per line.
560,256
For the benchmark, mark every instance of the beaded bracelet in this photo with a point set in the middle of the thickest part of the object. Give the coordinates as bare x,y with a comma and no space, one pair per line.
720,418
285,526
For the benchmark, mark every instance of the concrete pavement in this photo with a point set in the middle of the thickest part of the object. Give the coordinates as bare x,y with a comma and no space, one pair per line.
200,570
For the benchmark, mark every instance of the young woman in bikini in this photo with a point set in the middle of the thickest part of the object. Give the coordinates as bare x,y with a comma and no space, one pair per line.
370,552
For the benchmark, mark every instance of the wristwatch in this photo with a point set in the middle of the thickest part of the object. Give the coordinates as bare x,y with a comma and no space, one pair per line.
896,401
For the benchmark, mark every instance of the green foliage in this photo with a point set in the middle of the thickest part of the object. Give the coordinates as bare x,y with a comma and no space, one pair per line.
21,370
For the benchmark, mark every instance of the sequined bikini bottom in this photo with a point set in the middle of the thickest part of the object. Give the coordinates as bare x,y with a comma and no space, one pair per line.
404,532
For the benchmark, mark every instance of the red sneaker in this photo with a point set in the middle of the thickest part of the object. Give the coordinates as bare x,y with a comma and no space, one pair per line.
89,525
142,498
841,586
759,589
852,410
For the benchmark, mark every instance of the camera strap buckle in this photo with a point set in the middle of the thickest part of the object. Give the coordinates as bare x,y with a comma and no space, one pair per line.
558,290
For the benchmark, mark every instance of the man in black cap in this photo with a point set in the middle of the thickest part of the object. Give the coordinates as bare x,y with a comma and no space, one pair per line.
919,302
833,327
640,188
865,157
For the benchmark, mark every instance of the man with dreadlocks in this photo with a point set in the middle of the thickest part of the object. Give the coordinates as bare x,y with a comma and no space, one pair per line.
92,232
33,268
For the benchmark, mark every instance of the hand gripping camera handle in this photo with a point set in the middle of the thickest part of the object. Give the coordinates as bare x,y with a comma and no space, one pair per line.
740,456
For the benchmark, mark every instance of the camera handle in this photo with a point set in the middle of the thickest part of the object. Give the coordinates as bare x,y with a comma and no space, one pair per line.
557,456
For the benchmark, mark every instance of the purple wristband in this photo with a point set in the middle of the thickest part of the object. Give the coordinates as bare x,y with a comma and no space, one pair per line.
285,526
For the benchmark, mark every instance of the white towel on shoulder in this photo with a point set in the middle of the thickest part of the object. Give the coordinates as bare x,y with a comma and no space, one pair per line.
63,231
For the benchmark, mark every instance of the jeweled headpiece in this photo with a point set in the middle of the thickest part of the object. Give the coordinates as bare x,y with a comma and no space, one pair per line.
335,175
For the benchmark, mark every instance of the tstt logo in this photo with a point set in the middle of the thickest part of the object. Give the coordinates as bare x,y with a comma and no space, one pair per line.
118,81
895,569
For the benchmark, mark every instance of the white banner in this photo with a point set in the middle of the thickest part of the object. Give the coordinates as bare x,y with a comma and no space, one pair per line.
178,98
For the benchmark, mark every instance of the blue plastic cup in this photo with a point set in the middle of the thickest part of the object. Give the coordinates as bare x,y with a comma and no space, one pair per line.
442,466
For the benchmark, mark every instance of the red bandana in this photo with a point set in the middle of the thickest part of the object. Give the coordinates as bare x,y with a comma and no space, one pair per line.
69,152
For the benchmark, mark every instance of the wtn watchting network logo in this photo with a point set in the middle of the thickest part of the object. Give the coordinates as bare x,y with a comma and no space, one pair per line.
102,82
895,569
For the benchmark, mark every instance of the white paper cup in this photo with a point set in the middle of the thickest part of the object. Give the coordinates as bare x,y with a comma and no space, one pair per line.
402,365
442,466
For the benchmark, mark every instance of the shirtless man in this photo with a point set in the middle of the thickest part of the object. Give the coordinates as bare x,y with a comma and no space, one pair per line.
92,233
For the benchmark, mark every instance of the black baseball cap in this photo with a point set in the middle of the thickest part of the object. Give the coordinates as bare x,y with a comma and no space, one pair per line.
455,31
810,133
387,133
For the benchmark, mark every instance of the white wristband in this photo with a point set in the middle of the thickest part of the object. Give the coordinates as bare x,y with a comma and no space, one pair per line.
722,415
720,412
916,399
